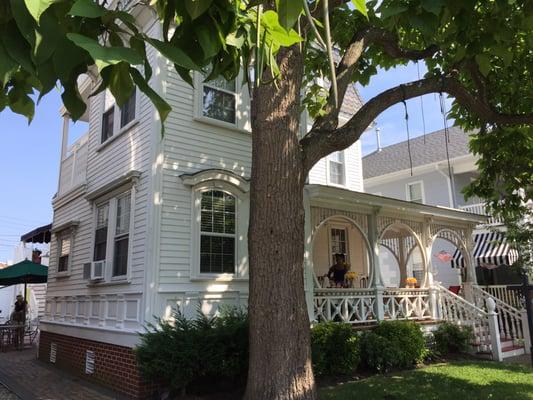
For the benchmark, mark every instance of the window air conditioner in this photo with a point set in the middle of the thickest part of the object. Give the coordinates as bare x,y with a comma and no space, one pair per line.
97,270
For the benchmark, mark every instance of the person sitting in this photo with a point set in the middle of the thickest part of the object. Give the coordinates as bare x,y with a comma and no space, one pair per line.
337,271
18,318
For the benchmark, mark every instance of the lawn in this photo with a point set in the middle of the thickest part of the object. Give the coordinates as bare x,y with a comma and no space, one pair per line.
464,380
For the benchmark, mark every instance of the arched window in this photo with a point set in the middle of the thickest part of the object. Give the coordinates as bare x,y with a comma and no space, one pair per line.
217,232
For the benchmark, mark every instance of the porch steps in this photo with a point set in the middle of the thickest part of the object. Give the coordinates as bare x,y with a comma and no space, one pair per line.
509,349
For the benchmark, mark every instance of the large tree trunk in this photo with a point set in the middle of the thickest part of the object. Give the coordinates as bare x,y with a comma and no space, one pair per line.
280,356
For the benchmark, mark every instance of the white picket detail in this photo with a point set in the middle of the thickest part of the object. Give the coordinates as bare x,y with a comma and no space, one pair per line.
502,292
509,318
353,306
407,304
455,309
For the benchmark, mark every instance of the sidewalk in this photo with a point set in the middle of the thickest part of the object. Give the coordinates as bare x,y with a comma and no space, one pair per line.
31,379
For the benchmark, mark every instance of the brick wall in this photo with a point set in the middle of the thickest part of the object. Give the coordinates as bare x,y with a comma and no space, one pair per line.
114,366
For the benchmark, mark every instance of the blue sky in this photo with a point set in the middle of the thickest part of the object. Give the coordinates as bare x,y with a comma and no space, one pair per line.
29,156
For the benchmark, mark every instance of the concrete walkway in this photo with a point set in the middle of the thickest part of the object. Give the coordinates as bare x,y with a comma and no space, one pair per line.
26,378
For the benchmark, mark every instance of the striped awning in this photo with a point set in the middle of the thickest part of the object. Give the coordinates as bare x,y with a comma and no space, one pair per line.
490,251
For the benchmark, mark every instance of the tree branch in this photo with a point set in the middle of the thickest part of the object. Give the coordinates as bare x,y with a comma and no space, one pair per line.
390,44
320,142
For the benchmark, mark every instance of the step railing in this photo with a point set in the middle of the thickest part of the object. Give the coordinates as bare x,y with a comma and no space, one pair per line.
458,311
512,322
480,208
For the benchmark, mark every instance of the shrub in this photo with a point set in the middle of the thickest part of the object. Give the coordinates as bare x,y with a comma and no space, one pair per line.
393,344
179,353
450,338
335,349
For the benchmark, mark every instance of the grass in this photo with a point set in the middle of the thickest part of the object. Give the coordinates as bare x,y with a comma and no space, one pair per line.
461,380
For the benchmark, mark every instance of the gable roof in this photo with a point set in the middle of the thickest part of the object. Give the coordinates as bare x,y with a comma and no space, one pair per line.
351,103
396,157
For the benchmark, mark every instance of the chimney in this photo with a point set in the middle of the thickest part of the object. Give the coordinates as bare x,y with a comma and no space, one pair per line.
36,256
378,139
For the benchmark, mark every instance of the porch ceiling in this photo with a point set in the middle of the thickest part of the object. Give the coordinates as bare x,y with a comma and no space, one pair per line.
333,197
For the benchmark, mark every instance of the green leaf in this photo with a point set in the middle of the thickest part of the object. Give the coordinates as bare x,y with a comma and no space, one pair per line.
277,33
120,83
87,9
68,58
47,36
7,65
235,39
104,56
174,54
162,107
73,101
483,61
195,8
21,103
24,20
360,5
433,6
38,7
208,39
289,11
16,47
47,77
390,10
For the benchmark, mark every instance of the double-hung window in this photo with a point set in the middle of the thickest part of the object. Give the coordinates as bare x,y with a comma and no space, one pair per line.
112,234
415,192
338,242
115,118
219,100
64,248
217,232
336,168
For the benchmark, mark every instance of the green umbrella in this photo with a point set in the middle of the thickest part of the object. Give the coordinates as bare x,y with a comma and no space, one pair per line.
23,272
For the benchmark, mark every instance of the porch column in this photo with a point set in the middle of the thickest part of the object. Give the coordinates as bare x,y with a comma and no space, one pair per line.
377,277
402,260
471,279
64,147
308,259
427,246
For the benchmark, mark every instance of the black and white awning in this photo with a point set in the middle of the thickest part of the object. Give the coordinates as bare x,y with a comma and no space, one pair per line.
490,251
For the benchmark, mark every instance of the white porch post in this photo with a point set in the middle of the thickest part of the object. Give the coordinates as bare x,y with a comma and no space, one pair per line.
64,147
427,244
308,259
497,354
377,278
525,328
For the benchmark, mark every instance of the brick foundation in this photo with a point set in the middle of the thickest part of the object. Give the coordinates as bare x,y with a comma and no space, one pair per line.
114,367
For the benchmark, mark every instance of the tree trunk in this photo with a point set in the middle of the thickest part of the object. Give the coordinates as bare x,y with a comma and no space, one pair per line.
280,356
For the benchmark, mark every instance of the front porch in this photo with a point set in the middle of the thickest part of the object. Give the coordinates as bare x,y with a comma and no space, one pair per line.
399,256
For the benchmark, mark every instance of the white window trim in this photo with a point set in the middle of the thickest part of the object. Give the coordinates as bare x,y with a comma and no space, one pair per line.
241,226
408,193
117,130
242,106
345,228
112,198
328,171
60,236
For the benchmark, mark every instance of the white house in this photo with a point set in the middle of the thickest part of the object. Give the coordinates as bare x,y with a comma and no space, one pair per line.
144,223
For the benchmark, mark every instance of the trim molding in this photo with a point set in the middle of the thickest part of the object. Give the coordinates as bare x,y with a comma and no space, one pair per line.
67,225
208,175
61,200
131,177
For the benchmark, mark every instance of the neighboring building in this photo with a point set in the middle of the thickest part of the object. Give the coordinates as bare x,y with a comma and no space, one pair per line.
143,224
387,172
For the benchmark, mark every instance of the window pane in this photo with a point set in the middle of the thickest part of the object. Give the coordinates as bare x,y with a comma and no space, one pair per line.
123,214
338,156
218,105
102,213
127,112
221,83
218,212
415,192
65,247
217,254
62,264
120,262
100,244
107,124
336,173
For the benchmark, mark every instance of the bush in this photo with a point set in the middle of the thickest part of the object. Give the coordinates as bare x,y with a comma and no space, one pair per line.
393,344
180,353
450,338
335,349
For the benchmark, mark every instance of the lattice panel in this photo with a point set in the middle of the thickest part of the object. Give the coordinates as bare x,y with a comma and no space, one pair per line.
435,229
320,214
384,222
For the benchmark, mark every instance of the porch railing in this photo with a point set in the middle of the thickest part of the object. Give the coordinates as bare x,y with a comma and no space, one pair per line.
509,294
479,208
74,165
354,306
407,304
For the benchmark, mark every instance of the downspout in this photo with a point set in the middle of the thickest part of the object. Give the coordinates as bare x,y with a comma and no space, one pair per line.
451,186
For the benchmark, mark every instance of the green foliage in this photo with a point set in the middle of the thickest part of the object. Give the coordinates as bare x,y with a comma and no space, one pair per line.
392,345
450,338
180,352
335,349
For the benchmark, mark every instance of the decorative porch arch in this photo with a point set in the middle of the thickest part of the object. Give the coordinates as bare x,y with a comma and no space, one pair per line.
417,242
359,229
453,237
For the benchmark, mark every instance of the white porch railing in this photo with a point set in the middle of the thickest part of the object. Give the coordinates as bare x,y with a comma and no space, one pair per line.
504,293
455,309
512,322
353,306
74,165
407,304
479,208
